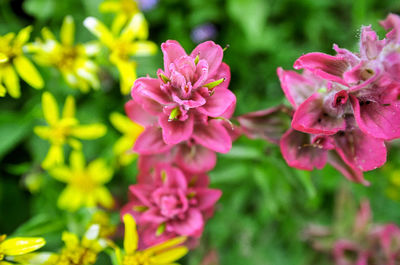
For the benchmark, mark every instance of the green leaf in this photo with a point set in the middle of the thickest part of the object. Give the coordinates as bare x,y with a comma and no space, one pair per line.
41,9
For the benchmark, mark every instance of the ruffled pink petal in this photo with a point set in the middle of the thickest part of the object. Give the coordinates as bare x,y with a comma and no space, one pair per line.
201,73
137,114
392,22
361,150
188,226
206,198
213,136
376,118
224,72
147,92
196,101
297,88
210,52
174,178
152,216
311,117
142,193
172,50
147,162
195,159
175,131
350,171
298,152
269,124
150,141
218,103
370,45
326,66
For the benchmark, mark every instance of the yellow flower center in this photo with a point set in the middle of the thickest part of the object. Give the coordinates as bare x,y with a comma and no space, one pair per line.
68,57
121,50
84,182
77,256
138,258
8,50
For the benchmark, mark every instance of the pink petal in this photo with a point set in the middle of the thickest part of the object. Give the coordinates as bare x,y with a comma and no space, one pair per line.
201,73
326,66
153,216
207,198
142,192
213,136
311,117
298,152
269,124
370,45
350,171
172,50
147,162
376,118
190,225
223,71
196,158
392,22
150,141
175,131
174,178
361,150
218,103
210,52
147,92
137,114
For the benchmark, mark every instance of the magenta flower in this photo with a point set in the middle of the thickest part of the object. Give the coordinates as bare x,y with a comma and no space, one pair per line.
187,97
169,203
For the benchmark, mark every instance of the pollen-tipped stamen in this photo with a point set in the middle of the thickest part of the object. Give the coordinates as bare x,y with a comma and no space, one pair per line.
213,84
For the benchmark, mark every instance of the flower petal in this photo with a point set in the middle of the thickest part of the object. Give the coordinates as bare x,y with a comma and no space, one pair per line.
210,52
206,198
21,245
150,142
213,136
50,108
100,31
190,225
172,50
131,237
28,72
88,132
147,92
67,31
195,159
175,131
11,81
218,103
137,114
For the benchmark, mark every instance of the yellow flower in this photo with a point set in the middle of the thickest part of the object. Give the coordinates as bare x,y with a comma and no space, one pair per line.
122,148
124,9
11,56
73,61
165,253
102,219
75,251
18,246
64,129
85,184
130,42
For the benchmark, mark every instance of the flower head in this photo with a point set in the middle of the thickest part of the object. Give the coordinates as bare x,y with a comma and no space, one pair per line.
130,131
189,95
170,203
162,254
13,63
73,61
64,129
131,41
85,185
9,248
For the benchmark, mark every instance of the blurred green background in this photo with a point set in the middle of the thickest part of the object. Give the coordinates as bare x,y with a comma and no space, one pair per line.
265,204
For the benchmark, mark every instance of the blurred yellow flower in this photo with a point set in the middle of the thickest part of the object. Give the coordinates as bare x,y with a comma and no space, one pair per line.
107,228
85,184
75,251
11,56
124,10
130,42
165,253
18,246
130,130
64,129
73,61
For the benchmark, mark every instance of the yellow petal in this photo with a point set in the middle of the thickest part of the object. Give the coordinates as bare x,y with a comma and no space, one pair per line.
127,71
3,91
11,81
75,144
137,28
118,22
21,245
28,72
120,122
50,108
70,239
23,35
122,145
91,131
70,199
41,258
100,31
143,48
48,35
126,159
131,236
43,131
77,161
104,197
55,156
61,173
67,31
91,48
3,58
89,77
99,171
166,245
69,108
110,6
170,255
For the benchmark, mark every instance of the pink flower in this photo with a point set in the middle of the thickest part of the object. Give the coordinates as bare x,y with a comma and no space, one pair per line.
188,95
169,203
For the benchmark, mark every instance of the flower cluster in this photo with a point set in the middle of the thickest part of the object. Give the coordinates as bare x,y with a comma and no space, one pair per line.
185,112
364,243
